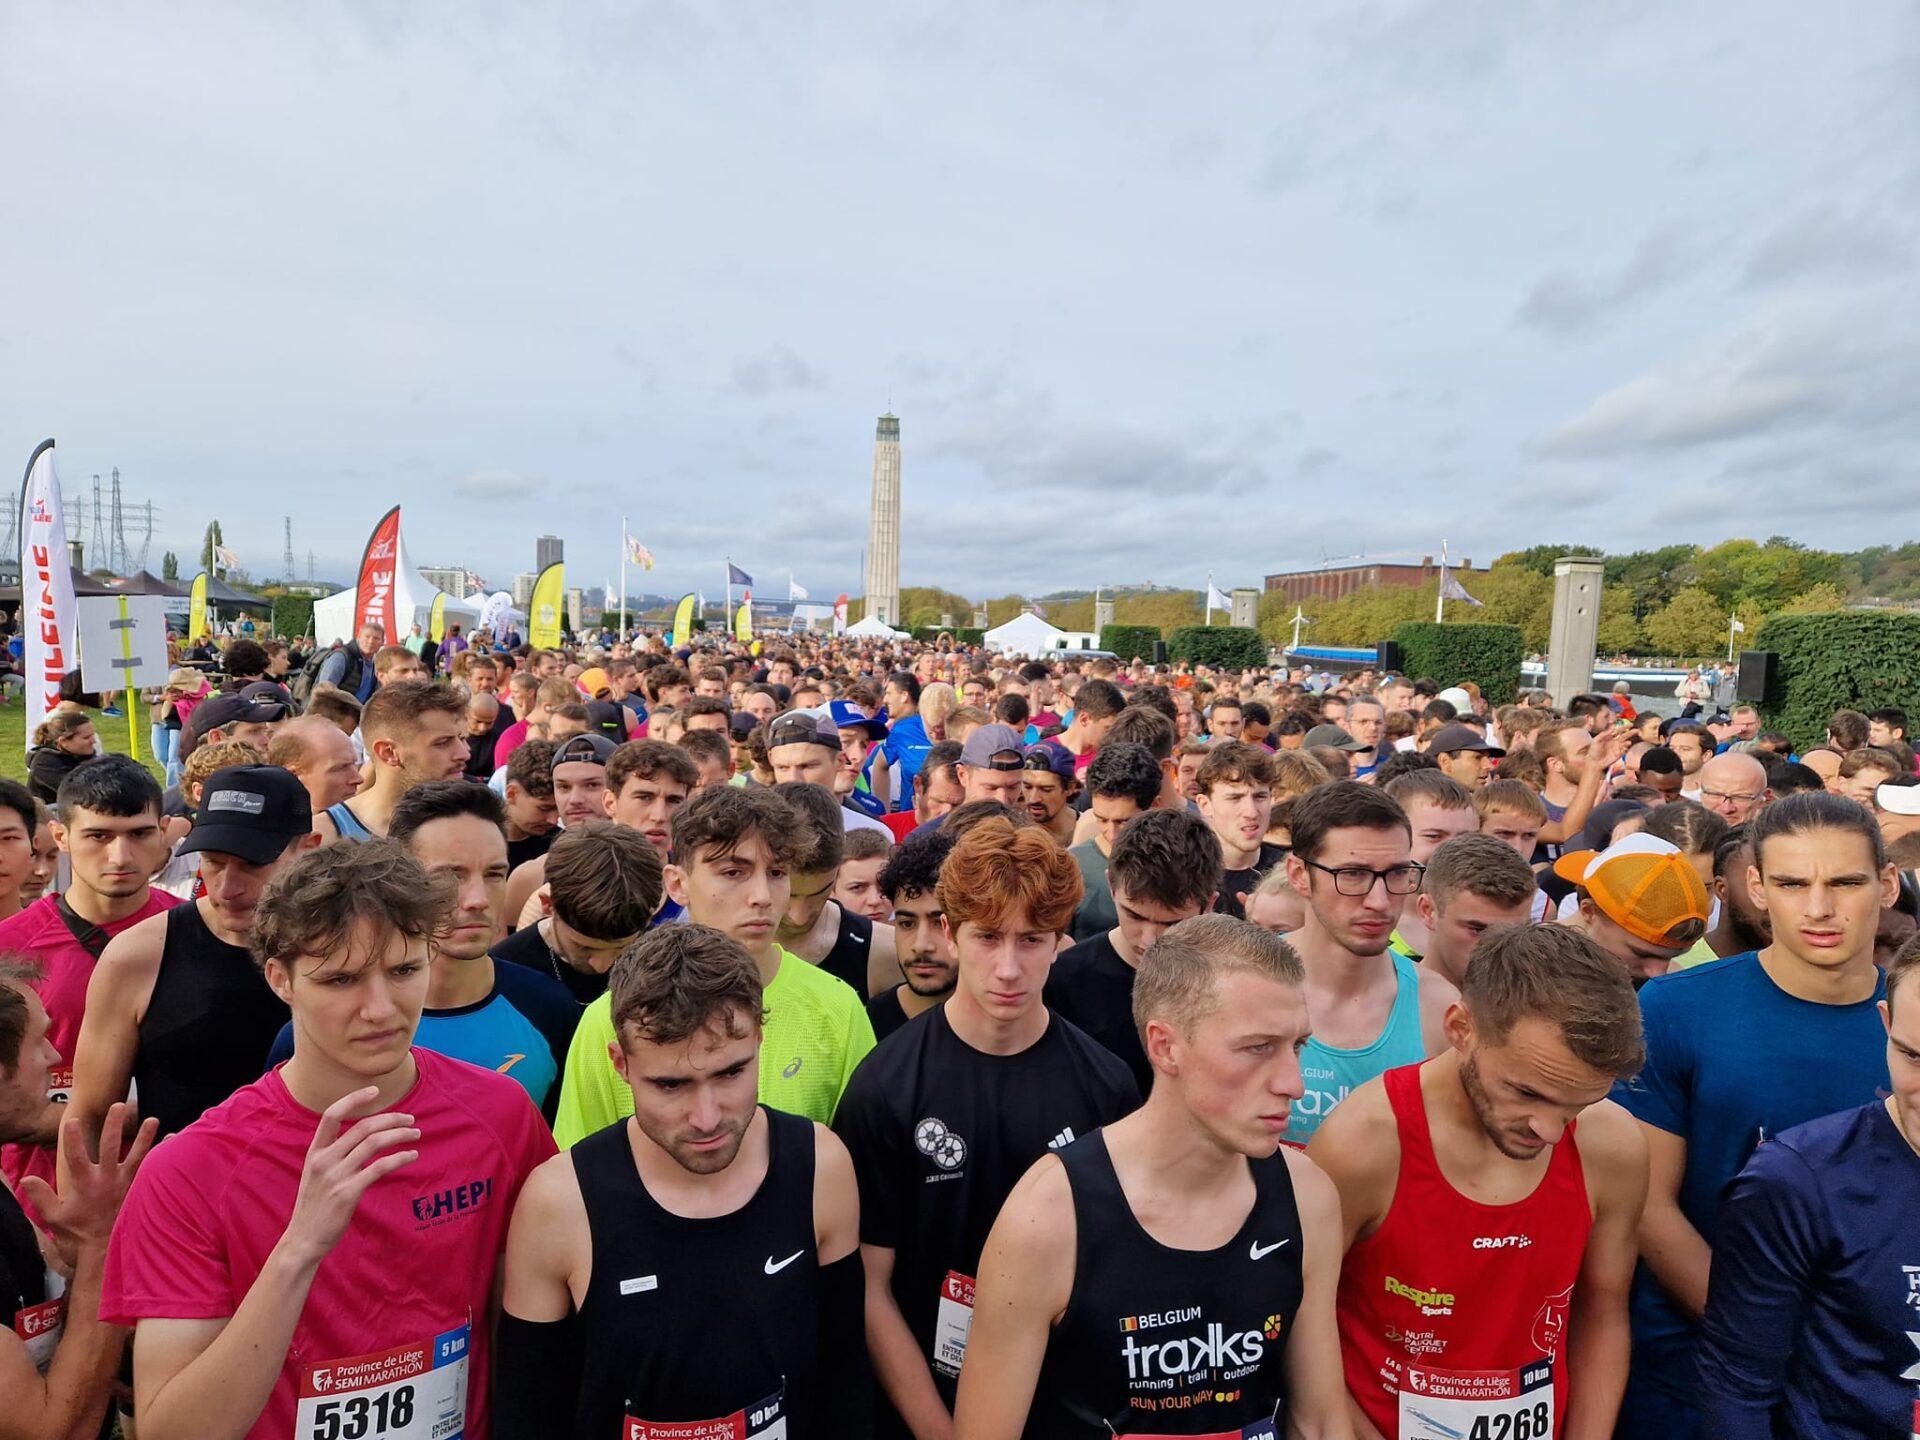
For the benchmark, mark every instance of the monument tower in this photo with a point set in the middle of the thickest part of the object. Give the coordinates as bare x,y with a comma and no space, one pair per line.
883,528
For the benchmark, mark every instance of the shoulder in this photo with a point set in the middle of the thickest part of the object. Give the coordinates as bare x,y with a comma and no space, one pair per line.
1314,1192
1612,1146
800,983
1434,988
1037,1222
551,1195
137,949
832,1161
27,927
1822,1143
490,1101
1090,1056
1689,987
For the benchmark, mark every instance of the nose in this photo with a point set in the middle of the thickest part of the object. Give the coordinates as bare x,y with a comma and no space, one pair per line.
1287,1079
704,1115
1547,1128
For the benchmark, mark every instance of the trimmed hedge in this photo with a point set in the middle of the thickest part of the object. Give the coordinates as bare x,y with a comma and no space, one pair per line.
292,616
1224,647
1488,655
1839,660
962,634
1130,642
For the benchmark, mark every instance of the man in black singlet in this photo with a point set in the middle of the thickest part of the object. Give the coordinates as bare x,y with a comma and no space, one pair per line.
694,1268
72,1397
816,927
177,1005
946,1116
1210,1310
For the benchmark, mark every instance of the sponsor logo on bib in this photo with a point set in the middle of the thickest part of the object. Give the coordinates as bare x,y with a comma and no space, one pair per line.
1430,1302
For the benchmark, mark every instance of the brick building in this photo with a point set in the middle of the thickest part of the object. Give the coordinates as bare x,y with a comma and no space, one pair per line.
1334,581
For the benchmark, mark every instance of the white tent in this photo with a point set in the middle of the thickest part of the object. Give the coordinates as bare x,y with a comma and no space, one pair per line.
874,628
1028,634
413,599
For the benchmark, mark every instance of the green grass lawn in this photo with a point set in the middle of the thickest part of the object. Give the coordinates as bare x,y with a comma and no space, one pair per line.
112,731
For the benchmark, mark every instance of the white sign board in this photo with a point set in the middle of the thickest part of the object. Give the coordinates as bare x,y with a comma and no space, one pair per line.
123,641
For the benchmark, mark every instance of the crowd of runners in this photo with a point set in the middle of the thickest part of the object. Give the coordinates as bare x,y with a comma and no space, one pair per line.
830,1039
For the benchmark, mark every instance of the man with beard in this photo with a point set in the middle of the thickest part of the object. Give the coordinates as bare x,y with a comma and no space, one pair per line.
911,882
1047,787
414,731
1490,1247
1743,925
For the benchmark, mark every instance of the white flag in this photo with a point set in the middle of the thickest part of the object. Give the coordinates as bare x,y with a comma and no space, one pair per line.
1738,628
1452,589
225,558
795,591
1215,600
638,554
49,620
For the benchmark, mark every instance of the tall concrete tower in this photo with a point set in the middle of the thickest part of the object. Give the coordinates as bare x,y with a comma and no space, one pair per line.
883,528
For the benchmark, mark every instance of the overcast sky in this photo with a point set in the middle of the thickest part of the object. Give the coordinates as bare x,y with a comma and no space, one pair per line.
1155,289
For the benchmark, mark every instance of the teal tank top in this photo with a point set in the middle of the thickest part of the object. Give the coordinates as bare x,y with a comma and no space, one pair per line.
1332,1075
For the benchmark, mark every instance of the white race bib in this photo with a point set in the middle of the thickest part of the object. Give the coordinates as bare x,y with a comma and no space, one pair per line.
1477,1404
764,1421
60,1085
38,1327
411,1392
952,1323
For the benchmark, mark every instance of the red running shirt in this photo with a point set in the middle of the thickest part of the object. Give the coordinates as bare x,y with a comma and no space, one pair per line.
1452,1313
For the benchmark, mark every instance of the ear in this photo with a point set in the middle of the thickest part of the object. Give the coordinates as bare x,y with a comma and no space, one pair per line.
1298,876
1457,1026
1423,906
676,884
308,841
59,833
279,980
607,797
1756,888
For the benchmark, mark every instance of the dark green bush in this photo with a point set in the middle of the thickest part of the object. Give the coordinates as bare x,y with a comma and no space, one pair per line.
1488,655
292,616
1840,660
1224,647
1130,642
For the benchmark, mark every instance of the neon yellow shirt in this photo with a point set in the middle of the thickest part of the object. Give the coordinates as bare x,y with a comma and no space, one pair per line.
817,1031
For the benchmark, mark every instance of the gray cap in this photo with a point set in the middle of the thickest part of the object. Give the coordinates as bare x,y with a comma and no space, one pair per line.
1333,735
988,741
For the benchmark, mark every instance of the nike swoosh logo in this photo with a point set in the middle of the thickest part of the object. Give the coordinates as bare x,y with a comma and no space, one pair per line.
1260,1252
774,1267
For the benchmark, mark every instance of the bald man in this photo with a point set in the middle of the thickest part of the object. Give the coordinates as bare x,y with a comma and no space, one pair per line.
320,756
1734,786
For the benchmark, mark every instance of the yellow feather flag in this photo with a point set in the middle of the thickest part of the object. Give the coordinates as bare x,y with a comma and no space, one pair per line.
544,608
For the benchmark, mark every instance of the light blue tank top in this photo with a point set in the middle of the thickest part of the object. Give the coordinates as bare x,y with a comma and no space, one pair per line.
1332,1075
347,823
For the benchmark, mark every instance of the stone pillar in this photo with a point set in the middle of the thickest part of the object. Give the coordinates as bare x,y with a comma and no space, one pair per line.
883,526
980,618
1102,617
1246,607
1577,582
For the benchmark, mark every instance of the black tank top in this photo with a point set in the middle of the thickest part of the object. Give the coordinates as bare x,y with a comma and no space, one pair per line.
1170,1342
847,960
209,1024
700,1320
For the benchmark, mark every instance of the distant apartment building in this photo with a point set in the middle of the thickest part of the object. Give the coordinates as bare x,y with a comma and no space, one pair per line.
1332,581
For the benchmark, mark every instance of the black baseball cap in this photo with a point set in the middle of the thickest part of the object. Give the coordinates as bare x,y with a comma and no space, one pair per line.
584,749
253,811
217,712
1452,739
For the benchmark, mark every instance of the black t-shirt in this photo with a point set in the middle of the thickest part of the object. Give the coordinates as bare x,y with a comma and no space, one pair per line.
939,1133
886,1012
529,947
1093,987
23,1273
1236,885
531,847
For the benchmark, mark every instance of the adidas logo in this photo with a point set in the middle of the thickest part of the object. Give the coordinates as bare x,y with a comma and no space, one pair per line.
1064,1138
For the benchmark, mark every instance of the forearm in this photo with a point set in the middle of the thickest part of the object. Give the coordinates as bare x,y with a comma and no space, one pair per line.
1676,1254
219,1394
72,1399
1362,1427
902,1368
1598,1352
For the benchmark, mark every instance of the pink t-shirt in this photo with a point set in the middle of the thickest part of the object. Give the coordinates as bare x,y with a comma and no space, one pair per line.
66,967
511,739
398,1304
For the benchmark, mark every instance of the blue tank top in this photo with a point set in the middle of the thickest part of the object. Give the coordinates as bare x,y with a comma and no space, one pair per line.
347,823
1332,1075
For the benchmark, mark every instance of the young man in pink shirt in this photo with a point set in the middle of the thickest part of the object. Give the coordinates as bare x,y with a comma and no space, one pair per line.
318,1255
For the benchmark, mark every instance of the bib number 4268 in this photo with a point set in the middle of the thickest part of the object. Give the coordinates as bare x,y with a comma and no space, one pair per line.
1533,1423
363,1417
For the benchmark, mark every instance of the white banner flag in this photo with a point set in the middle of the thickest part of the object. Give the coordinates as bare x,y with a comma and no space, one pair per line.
48,622
795,591
1217,601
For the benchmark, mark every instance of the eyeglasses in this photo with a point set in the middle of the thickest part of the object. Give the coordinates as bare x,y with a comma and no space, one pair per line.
1358,880
1749,797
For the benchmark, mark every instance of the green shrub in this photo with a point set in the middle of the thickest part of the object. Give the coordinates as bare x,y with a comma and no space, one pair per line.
962,634
1224,647
292,616
1841,660
1488,655
1130,642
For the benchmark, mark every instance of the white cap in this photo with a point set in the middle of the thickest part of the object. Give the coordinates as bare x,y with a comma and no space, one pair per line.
1898,799
1638,843
1457,698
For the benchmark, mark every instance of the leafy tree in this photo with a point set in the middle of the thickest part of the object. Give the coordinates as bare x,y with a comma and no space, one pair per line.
1690,625
1654,576
170,566
1540,558
206,546
1619,631
1815,600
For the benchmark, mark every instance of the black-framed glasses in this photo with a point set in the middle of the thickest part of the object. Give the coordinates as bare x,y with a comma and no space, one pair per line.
1735,797
1358,880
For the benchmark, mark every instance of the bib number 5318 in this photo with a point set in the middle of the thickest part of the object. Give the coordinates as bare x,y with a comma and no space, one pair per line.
363,1417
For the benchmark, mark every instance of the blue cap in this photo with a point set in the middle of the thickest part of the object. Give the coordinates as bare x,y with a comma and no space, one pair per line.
849,716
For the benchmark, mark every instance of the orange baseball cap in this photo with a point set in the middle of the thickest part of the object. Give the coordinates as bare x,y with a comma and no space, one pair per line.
1641,883
595,683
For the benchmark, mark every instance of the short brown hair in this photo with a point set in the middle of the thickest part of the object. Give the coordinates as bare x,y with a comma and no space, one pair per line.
708,745
208,758
1169,858
313,906
1558,974
819,833
1478,865
1515,795
1436,787
998,868
605,880
648,758
1179,977
678,980
717,819
1872,757
388,656
17,976
1295,772
394,707
1235,762
1141,725
865,844
530,766
1905,961
335,705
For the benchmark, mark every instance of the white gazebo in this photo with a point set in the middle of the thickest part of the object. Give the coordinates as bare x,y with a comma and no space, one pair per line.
874,628
1028,634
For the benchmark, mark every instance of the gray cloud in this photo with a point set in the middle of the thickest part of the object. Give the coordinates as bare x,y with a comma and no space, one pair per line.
1566,303
774,369
1828,241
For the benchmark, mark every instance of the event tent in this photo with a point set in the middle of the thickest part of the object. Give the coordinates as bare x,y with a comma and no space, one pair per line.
874,628
413,598
1028,634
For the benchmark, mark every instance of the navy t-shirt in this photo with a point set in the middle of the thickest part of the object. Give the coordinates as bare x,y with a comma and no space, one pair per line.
1733,1060
1813,1313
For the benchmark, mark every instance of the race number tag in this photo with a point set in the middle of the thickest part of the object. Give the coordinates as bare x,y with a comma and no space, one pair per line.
1477,1404
765,1421
38,1327
60,1085
1259,1430
952,1323
411,1392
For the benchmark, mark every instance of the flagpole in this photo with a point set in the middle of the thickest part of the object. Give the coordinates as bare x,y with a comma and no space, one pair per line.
726,610
1209,597
623,577
1733,629
1440,599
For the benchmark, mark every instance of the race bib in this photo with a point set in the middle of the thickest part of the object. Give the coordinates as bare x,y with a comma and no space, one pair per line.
60,1085
1477,1404
411,1392
38,1327
765,1421
1259,1430
952,1323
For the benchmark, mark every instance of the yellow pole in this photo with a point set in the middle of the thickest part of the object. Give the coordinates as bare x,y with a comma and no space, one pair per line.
132,693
